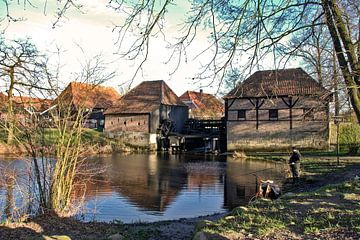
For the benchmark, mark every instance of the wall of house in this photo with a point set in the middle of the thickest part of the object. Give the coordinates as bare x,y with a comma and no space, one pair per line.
310,125
154,120
127,123
178,114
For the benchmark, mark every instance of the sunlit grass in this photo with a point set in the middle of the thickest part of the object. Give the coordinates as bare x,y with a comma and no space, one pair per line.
329,208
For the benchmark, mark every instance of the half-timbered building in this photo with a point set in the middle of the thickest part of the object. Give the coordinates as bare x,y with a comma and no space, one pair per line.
276,109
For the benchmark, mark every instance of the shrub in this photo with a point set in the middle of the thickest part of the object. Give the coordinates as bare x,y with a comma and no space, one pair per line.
350,136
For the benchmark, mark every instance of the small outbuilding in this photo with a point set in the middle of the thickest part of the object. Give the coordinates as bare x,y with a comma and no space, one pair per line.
203,105
275,109
138,115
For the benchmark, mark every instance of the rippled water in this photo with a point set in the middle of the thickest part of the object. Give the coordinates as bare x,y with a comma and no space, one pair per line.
153,187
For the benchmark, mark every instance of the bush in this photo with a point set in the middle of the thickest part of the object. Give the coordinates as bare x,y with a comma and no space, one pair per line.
350,136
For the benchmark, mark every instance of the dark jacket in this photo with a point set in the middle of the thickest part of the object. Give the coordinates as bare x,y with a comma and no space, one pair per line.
295,157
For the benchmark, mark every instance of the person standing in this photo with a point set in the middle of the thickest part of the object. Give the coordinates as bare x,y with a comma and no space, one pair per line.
294,163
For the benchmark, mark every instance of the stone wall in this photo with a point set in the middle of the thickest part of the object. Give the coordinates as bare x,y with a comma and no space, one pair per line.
310,126
135,139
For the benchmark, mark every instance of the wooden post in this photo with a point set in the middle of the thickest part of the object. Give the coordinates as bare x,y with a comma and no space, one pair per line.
257,104
337,142
290,105
226,110
290,112
257,114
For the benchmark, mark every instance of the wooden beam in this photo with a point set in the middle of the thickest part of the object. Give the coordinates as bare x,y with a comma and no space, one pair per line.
290,104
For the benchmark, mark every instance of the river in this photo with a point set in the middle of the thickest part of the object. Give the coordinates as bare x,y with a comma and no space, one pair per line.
154,187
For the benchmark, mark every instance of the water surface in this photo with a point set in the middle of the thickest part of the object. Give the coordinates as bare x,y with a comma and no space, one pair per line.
153,187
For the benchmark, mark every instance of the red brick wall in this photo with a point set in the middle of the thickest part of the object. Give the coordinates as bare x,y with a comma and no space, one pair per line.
134,123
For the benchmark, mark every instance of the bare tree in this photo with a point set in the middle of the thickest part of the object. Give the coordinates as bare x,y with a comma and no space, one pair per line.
243,32
250,30
53,138
22,70
62,6
318,57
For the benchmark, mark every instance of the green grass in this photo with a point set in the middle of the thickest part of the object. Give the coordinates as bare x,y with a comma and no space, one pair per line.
329,208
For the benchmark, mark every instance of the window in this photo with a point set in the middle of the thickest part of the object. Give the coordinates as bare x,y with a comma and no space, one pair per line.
273,114
241,114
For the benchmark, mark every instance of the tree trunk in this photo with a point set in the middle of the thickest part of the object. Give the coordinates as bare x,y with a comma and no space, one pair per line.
10,109
345,52
336,85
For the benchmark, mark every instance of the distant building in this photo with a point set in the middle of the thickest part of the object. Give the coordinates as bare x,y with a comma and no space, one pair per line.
203,105
95,99
143,109
23,106
275,109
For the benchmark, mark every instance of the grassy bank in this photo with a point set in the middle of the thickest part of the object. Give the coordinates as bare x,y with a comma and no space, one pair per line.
94,142
324,205
332,211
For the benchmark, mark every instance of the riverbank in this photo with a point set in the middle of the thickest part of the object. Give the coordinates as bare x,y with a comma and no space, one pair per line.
308,210
93,143
324,205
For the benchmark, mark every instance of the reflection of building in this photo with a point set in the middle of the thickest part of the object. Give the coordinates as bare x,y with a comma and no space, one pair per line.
153,182
149,183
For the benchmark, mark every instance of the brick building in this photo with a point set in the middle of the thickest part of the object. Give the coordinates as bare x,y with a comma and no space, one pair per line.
138,114
276,109
203,105
95,99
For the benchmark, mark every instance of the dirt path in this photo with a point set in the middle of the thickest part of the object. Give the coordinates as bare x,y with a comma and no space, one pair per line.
50,225
311,183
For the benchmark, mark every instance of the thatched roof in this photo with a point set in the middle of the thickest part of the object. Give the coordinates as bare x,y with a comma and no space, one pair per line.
145,98
88,95
285,82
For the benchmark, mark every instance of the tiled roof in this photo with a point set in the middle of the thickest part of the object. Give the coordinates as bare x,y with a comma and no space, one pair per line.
283,82
89,95
38,104
203,104
145,98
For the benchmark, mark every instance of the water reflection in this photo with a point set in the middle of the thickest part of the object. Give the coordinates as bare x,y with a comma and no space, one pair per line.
152,187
